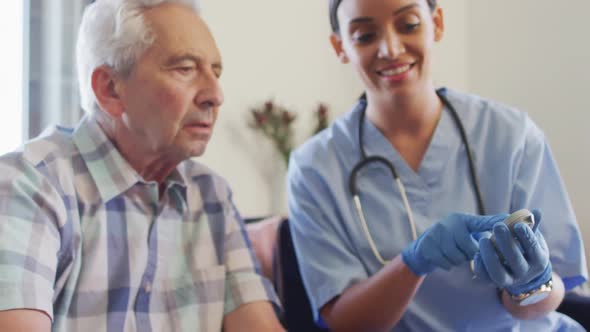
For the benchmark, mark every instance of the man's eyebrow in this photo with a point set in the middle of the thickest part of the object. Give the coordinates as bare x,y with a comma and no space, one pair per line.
182,57
175,59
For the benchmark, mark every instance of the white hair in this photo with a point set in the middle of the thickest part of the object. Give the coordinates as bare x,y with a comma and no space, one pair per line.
113,33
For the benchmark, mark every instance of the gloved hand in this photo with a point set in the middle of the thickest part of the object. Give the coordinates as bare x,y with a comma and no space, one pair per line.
447,243
524,262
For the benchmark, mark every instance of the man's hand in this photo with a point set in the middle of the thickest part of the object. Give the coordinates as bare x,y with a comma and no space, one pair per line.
522,265
447,243
25,320
255,316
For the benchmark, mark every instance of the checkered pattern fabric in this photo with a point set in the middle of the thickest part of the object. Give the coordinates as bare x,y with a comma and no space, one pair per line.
85,239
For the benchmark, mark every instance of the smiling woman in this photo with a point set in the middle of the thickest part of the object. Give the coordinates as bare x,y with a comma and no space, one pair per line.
11,75
424,159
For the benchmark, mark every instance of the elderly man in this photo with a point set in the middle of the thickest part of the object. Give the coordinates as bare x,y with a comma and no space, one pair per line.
111,226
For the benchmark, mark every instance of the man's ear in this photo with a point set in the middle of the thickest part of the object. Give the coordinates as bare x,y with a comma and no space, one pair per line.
439,23
105,84
336,42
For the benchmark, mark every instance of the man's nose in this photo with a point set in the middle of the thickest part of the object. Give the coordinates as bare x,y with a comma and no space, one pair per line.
210,94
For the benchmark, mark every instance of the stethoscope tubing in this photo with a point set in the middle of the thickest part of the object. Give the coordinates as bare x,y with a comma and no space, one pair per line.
365,160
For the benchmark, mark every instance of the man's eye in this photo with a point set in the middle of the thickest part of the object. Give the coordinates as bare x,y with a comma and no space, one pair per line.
185,70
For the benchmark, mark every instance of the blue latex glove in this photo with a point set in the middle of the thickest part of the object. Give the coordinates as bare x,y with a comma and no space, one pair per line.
447,243
524,262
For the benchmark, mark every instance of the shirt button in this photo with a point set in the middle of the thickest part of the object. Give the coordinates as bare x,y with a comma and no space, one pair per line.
147,287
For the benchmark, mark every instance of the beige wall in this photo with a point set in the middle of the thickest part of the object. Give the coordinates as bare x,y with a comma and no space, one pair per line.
271,49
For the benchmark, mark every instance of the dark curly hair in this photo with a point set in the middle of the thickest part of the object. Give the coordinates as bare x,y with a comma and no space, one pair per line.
334,4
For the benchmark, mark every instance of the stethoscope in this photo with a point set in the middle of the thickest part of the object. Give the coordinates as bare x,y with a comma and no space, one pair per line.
365,160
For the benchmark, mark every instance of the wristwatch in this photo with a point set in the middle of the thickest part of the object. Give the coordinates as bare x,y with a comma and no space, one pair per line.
535,295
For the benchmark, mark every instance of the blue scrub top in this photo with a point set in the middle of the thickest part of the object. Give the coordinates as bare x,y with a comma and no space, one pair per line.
515,170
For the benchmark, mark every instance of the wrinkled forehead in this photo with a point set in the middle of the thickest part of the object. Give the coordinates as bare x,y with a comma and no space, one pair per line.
178,28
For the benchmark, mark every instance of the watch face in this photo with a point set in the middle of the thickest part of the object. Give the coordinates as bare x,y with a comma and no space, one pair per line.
534,298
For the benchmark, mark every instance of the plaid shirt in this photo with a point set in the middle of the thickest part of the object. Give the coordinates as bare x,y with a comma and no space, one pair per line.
85,239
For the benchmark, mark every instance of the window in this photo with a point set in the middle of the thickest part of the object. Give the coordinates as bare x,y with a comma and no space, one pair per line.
11,75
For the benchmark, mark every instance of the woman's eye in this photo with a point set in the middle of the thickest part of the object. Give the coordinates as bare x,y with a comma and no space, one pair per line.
363,38
409,23
409,27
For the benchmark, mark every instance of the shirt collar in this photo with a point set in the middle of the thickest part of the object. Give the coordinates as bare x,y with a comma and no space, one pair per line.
111,173
177,179
107,167
444,139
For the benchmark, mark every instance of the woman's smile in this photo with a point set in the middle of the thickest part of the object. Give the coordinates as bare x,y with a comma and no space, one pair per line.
395,73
